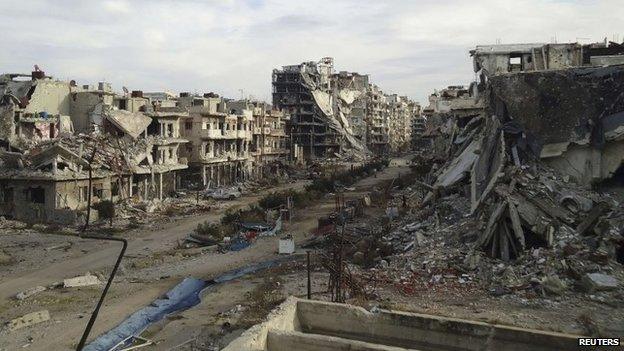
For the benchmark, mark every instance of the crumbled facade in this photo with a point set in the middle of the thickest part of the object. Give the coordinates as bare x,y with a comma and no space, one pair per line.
336,114
33,108
491,60
130,143
219,151
270,147
567,98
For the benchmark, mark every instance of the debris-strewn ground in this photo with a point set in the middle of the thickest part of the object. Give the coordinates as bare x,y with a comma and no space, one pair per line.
156,261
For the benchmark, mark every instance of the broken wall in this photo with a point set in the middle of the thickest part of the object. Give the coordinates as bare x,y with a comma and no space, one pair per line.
27,200
557,109
50,96
86,109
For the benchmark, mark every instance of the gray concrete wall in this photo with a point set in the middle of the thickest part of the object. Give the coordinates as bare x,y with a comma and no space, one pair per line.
316,325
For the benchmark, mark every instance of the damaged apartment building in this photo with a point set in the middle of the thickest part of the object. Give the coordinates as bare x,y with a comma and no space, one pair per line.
524,147
337,114
219,151
232,140
55,132
567,100
270,147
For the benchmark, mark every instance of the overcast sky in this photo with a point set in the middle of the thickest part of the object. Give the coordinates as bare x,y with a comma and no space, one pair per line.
407,47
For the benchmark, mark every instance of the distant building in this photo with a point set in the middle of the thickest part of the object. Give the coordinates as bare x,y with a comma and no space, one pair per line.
338,114
219,151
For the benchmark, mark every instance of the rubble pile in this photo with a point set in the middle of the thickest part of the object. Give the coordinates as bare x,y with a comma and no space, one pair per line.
499,218
441,247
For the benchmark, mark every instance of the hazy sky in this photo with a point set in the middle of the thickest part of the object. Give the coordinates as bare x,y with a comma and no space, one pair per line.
407,47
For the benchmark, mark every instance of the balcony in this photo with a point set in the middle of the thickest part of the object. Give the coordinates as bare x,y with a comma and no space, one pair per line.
244,134
218,134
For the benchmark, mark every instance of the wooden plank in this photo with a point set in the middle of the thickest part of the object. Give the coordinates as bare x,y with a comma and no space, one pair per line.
592,217
503,241
495,241
552,211
512,244
491,226
515,223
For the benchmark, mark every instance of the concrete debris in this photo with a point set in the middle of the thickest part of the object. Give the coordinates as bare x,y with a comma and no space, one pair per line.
28,320
135,149
484,200
599,282
553,285
83,280
30,292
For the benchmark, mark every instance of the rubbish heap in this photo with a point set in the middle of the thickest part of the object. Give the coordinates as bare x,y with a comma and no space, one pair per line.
496,216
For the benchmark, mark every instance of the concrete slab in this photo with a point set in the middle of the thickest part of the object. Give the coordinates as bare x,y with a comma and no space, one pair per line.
28,320
288,341
84,280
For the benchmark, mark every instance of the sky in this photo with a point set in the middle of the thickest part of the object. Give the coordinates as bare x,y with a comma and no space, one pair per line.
231,47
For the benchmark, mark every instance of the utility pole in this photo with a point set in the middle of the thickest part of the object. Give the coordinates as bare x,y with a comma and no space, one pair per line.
309,280
89,190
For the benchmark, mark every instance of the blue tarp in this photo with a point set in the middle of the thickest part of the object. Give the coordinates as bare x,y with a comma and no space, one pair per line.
183,296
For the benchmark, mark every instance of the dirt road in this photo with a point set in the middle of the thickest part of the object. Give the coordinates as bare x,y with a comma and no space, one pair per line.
152,266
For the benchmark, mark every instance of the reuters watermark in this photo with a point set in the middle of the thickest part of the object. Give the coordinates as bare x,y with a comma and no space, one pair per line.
599,342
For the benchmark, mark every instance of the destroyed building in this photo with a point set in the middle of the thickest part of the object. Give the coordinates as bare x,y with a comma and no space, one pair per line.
338,113
418,130
491,60
448,108
541,140
378,129
566,96
50,182
270,147
401,112
33,108
44,167
220,141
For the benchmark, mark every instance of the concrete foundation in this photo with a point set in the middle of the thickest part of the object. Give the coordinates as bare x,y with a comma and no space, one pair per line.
306,325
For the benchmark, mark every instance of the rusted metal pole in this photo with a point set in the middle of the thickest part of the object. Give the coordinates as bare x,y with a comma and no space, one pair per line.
309,280
85,334
89,190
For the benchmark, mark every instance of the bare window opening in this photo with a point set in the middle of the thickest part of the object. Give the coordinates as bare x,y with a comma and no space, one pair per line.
123,104
97,192
7,195
83,192
115,189
37,195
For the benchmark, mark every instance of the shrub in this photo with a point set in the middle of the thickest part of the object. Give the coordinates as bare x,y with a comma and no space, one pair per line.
213,230
273,200
106,209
